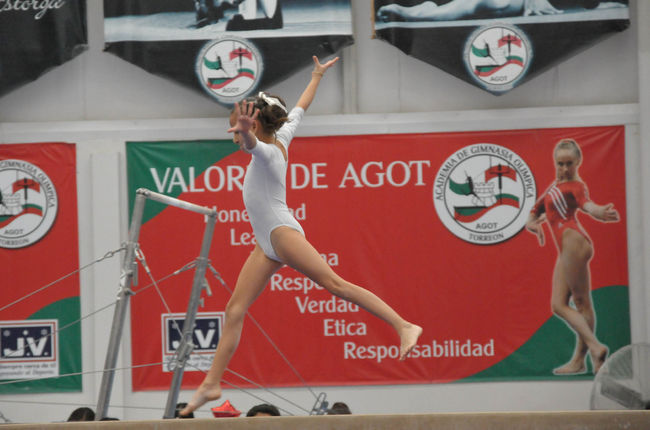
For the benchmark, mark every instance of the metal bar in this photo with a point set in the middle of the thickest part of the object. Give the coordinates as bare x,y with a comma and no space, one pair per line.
128,273
120,309
190,316
161,198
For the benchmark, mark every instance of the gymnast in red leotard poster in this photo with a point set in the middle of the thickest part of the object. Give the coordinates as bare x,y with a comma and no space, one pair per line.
558,206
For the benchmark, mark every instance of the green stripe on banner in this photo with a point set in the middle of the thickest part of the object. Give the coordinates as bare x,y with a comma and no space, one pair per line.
553,344
156,165
66,311
462,189
480,52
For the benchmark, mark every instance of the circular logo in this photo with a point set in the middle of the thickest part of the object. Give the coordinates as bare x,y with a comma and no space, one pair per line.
498,56
483,193
28,204
229,68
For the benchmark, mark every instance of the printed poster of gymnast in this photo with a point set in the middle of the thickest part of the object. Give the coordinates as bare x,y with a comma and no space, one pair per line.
225,49
497,45
486,194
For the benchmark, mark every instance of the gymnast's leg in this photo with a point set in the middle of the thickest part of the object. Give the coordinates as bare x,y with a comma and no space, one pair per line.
571,279
560,297
254,276
575,259
583,304
292,247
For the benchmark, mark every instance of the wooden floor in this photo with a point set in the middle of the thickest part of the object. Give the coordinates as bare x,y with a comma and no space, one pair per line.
588,420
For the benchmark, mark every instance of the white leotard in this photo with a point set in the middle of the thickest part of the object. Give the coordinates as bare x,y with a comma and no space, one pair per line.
265,195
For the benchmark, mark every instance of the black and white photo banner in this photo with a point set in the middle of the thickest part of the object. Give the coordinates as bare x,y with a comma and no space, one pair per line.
497,45
225,49
37,35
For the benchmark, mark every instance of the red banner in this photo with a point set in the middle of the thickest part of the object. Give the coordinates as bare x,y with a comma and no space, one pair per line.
431,223
39,245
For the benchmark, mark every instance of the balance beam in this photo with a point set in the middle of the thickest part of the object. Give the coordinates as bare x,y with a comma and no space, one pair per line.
584,420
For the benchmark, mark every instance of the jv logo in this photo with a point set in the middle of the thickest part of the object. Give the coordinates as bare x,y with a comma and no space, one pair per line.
30,340
205,333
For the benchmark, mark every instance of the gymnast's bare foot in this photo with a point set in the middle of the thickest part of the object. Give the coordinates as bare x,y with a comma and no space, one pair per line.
409,337
598,357
203,394
575,366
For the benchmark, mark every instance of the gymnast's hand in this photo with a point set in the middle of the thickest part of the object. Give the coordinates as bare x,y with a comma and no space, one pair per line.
534,225
607,213
243,127
245,114
320,69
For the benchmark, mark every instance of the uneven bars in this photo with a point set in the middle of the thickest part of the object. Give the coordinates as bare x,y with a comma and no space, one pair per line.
175,202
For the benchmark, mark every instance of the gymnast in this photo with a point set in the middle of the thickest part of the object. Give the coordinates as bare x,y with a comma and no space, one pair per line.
263,127
571,276
472,9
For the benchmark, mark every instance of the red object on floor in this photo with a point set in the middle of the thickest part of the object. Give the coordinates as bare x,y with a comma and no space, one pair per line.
226,410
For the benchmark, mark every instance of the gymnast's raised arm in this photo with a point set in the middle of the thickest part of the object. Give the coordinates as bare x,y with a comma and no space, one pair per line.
309,93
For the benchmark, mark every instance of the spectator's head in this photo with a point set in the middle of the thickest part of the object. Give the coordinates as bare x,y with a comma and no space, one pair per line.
82,414
263,410
179,407
339,408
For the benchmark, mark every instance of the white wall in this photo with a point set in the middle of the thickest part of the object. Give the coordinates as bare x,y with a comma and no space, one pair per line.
99,101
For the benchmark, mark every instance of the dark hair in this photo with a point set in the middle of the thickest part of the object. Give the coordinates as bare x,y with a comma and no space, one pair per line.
271,116
179,407
263,408
339,408
82,414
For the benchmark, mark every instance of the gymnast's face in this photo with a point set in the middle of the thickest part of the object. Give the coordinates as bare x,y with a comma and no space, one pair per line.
566,165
